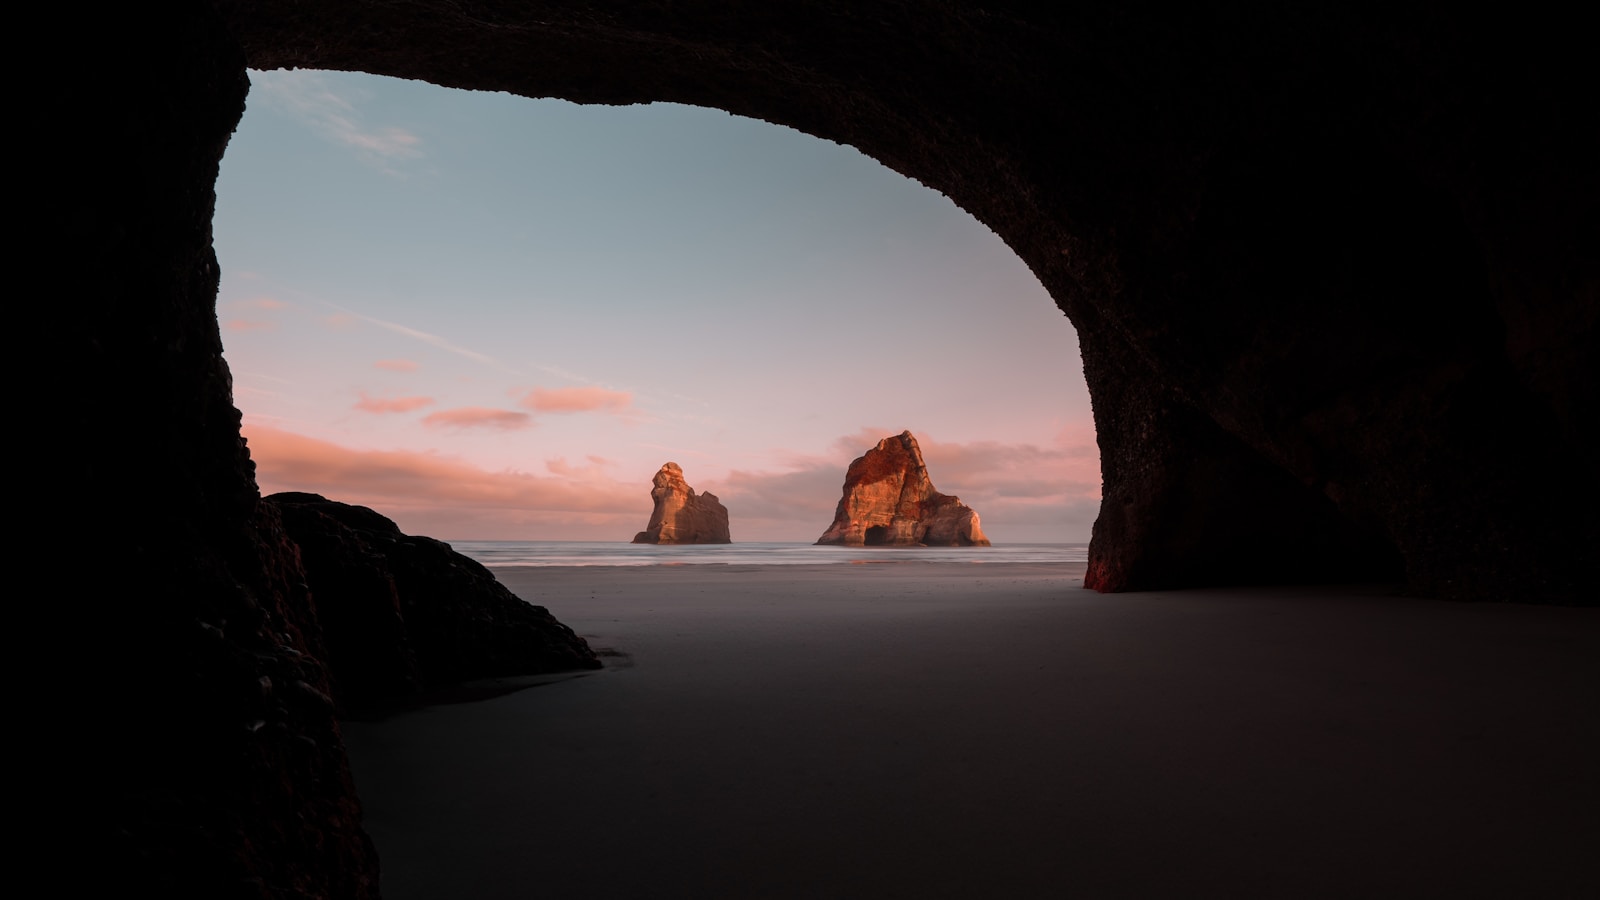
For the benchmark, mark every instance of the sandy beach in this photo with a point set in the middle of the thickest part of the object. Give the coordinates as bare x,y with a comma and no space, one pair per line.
922,730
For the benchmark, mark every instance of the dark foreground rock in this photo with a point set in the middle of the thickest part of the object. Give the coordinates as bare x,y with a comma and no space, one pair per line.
680,515
402,613
889,501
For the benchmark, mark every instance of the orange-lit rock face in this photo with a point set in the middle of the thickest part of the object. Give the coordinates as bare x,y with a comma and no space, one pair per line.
681,516
889,501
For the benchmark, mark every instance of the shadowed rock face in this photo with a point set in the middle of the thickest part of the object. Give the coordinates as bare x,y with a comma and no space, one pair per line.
890,502
402,613
680,515
1335,280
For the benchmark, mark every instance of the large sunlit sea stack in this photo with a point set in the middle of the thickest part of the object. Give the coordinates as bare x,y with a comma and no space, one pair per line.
889,501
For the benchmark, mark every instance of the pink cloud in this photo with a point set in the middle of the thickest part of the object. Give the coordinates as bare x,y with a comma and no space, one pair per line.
577,399
396,365
1023,492
806,494
259,303
248,325
478,417
431,494
391,404
1031,469
341,321
560,466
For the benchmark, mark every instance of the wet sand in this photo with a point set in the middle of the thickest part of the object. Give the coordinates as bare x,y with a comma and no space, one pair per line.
958,730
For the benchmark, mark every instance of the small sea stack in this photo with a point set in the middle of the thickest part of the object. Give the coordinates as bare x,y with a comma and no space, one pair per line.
681,516
889,501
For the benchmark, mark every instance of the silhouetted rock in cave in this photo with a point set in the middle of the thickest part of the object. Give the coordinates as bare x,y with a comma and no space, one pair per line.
403,613
1334,279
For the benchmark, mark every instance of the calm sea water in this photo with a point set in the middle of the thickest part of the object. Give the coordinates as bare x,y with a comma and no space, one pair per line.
752,553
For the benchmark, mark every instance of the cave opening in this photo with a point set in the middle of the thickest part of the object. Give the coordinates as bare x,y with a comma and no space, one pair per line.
492,317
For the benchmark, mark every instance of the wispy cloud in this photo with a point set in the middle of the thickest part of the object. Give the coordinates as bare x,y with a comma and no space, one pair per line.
432,340
269,303
577,399
256,314
391,404
597,466
262,376
681,452
345,317
435,495
478,417
1021,491
309,99
805,495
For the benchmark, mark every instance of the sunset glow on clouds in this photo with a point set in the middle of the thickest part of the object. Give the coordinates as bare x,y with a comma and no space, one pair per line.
430,494
427,493
560,466
577,399
477,417
392,404
495,318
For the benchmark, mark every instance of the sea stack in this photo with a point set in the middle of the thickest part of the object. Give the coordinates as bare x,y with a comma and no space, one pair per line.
681,516
889,501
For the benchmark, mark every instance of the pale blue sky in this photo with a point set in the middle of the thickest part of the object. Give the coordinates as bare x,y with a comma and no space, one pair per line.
404,266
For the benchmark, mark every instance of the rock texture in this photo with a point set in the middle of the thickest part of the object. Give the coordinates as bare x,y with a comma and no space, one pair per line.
402,613
680,515
890,502
1334,277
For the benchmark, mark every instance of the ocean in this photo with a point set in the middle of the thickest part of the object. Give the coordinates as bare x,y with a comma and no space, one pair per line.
751,553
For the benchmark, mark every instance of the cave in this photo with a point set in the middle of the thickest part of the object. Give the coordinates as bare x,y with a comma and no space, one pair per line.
1334,276
876,536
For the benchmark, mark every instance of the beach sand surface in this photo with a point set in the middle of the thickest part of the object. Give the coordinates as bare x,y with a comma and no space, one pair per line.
926,730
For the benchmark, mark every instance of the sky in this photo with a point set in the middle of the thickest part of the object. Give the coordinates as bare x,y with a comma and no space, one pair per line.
495,318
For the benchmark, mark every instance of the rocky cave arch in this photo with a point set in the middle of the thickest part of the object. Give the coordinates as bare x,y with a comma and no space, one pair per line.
1335,282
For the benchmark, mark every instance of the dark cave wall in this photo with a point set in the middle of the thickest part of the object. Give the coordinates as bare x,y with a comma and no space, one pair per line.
202,754
1335,281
